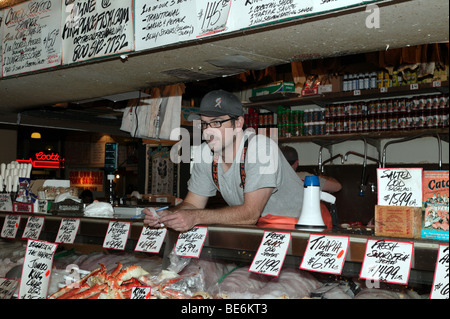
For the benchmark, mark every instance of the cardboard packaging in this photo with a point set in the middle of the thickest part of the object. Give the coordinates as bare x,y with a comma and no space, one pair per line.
398,221
275,87
435,205
170,199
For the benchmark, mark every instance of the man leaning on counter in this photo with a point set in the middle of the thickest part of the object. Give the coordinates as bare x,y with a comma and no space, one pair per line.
261,184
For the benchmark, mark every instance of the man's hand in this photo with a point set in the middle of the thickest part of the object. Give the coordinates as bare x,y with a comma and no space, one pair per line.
180,220
152,218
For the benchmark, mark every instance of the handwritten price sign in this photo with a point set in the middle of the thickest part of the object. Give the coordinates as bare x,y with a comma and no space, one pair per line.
151,240
440,287
387,261
67,230
190,243
400,186
10,226
117,235
325,254
271,253
36,271
33,227
141,293
7,287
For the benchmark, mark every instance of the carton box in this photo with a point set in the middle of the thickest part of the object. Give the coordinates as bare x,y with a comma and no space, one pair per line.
398,221
170,199
275,87
435,205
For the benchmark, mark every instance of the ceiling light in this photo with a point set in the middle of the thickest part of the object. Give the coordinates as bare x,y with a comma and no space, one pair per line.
36,135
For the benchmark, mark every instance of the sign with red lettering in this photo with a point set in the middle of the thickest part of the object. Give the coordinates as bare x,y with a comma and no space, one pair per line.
45,160
92,180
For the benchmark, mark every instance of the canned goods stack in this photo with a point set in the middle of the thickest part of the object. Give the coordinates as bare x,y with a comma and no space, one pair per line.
260,122
418,112
314,122
290,122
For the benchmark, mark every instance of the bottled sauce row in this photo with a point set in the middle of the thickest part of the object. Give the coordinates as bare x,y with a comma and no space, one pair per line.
371,116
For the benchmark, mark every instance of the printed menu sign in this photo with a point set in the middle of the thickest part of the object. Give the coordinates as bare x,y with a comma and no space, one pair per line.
36,271
33,228
31,36
10,226
92,29
190,243
116,235
440,287
151,239
387,261
325,254
68,230
271,253
400,187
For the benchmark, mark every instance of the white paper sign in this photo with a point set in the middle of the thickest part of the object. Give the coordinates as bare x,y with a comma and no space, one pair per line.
325,253
116,235
439,290
67,230
151,239
387,261
5,203
141,292
190,243
399,186
10,226
31,36
7,287
33,228
271,253
36,271
91,29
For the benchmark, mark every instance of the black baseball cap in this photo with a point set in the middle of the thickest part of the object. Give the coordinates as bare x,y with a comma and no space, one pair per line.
218,103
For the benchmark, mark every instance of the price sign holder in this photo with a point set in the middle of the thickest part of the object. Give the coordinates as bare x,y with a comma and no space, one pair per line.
399,186
116,235
33,228
387,261
68,230
10,226
271,253
190,243
36,271
439,289
151,239
325,254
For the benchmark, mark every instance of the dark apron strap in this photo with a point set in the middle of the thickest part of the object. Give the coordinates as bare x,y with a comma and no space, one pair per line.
214,169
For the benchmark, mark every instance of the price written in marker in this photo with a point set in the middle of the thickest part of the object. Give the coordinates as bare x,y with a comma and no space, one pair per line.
141,292
151,240
116,235
67,230
387,261
36,271
10,226
399,186
271,253
325,254
33,227
440,288
190,243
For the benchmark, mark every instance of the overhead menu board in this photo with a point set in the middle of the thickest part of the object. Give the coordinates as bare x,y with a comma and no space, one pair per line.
30,36
92,29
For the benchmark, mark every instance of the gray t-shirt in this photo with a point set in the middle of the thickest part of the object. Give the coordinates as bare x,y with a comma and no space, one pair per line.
265,166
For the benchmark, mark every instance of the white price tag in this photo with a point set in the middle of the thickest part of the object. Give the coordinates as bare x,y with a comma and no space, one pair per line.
399,186
141,292
414,86
387,261
190,243
271,253
33,227
68,230
440,287
325,253
10,226
7,287
151,239
36,271
116,235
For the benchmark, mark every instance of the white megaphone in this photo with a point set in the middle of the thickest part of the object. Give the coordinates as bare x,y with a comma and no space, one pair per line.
311,216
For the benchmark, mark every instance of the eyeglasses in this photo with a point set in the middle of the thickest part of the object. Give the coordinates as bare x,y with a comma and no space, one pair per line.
213,124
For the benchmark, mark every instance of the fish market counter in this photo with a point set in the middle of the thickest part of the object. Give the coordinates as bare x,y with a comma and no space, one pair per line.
235,243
